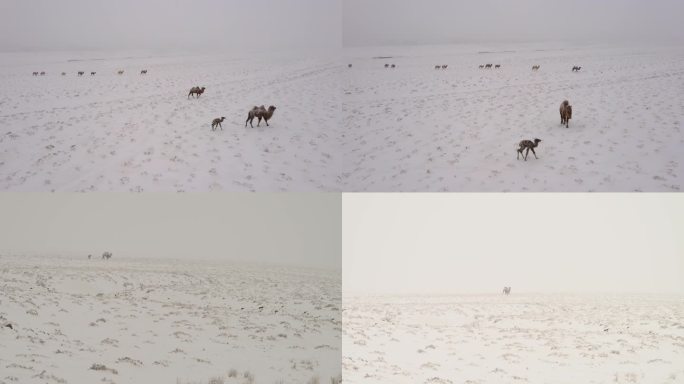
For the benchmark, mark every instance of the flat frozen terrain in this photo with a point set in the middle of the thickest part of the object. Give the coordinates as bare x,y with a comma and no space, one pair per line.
150,321
415,128
515,339
130,132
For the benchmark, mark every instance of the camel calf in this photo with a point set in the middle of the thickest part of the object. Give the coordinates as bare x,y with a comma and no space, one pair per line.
217,123
529,146
565,113
260,113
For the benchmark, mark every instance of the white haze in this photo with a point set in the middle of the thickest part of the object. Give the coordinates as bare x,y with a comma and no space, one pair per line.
230,25
295,229
541,243
388,22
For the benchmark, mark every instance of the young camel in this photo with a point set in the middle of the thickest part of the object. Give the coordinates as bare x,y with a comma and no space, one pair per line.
217,123
528,145
565,113
196,91
260,113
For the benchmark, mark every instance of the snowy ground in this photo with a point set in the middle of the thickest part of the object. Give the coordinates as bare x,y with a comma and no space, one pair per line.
141,133
166,322
414,128
515,339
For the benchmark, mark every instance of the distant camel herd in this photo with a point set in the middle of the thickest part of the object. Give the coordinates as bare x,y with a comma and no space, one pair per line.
81,73
260,113
481,66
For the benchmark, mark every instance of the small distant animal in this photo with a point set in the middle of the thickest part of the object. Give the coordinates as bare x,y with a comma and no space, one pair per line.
489,66
482,66
536,67
528,145
386,65
576,69
80,73
196,91
63,73
565,113
349,65
445,66
143,72
106,255
507,291
437,67
393,66
35,73
120,72
217,123
260,113
497,66
92,73
42,73
90,257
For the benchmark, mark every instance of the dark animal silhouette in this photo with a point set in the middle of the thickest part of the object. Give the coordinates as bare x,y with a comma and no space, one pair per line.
482,66
507,291
393,66
489,66
196,91
92,73
386,65
120,72
528,145
80,73
106,256
260,113
437,67
63,73
42,73
35,73
217,123
497,66
349,65
445,66
536,67
143,72
565,113
576,69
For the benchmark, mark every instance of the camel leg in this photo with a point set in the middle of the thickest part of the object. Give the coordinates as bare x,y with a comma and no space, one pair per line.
259,122
221,126
266,120
535,153
527,153
519,152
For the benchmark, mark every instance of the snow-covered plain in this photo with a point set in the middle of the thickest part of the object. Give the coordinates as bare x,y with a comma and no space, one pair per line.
564,339
156,321
415,128
130,132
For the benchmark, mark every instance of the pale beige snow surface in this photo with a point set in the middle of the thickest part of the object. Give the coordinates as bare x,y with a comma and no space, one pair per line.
523,338
67,320
414,128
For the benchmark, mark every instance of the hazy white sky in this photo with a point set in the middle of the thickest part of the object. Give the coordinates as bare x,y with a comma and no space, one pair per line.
169,24
478,243
380,22
301,229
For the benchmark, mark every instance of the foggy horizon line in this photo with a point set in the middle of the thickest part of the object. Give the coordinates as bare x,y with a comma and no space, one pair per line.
513,293
127,257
